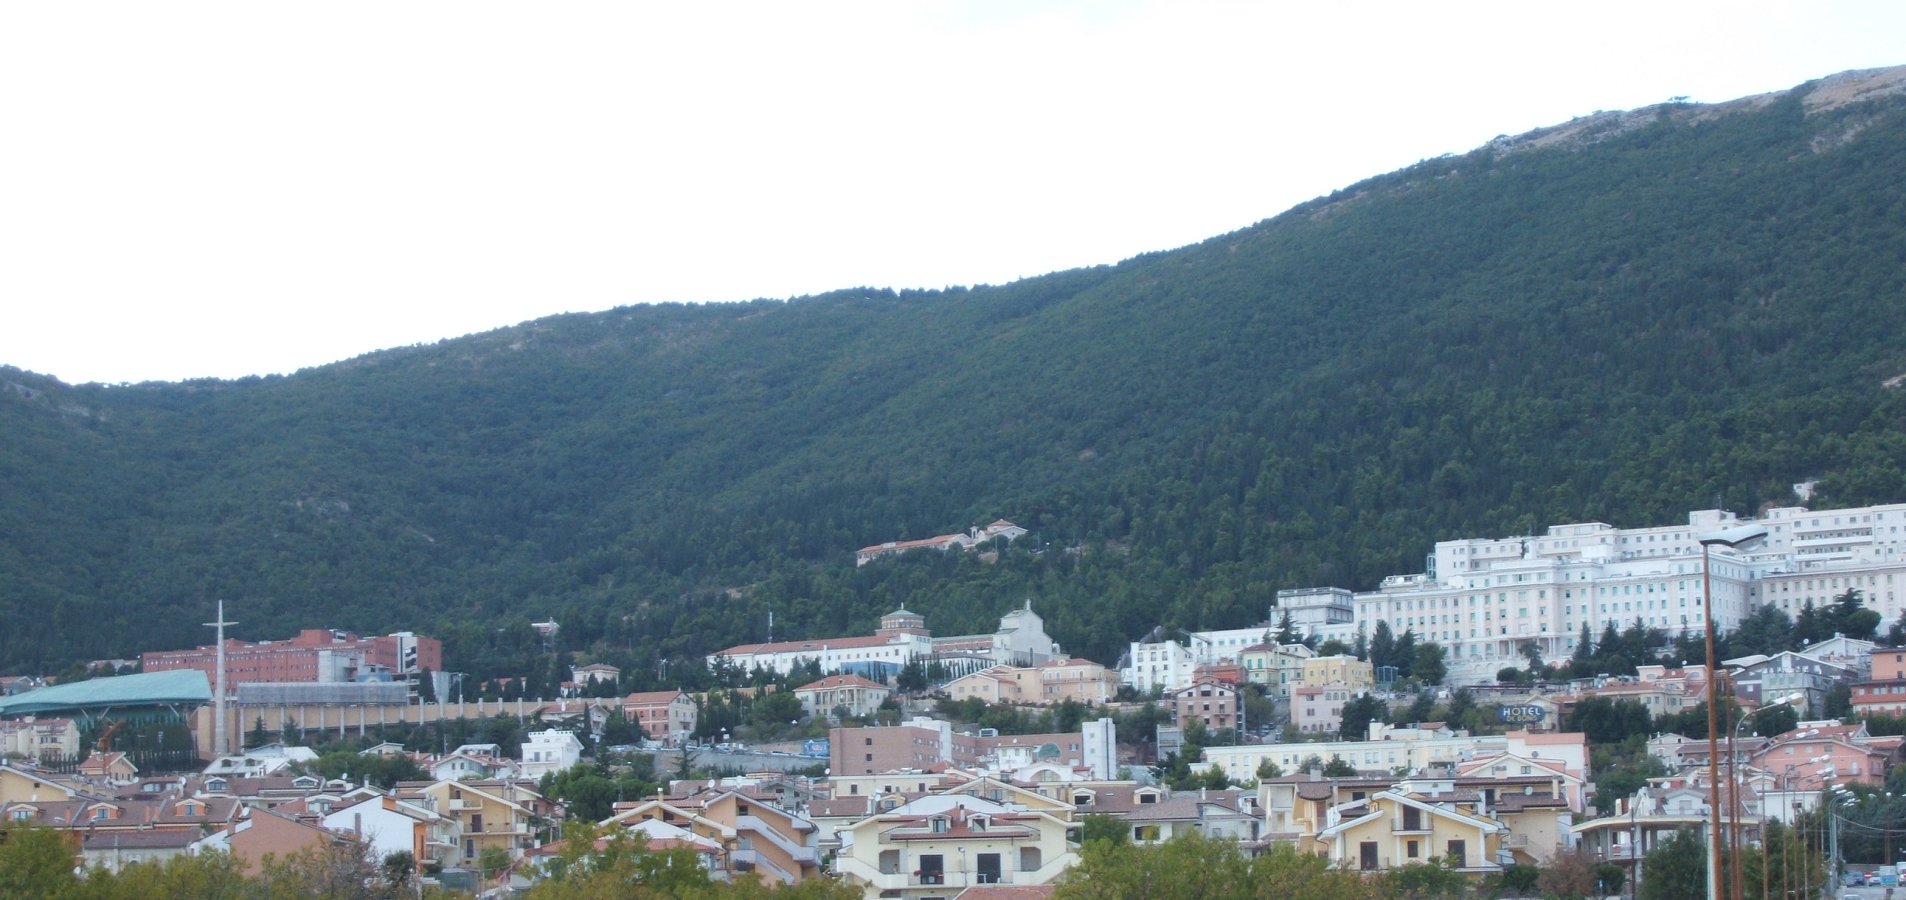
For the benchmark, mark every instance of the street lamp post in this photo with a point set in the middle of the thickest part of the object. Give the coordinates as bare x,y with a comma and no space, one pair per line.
1839,797
1786,849
1734,792
1733,538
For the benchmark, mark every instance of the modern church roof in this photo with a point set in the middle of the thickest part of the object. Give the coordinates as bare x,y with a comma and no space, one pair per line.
176,686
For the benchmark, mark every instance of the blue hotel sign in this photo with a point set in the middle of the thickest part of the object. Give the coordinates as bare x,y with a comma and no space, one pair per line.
1522,714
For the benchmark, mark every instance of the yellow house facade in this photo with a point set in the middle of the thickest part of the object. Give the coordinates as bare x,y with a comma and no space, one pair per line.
479,816
1392,829
1356,674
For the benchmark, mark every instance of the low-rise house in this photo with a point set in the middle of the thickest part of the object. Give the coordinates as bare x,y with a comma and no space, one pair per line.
595,672
1157,665
1845,652
121,830
1078,680
1413,822
1879,698
666,716
1209,701
111,767
1813,748
1278,667
994,684
20,684
261,762
842,695
931,745
1356,674
1155,814
483,815
656,835
1662,808
757,838
389,825
1531,814
39,739
263,793
938,845
1048,683
1883,689
550,751
1371,824
113,850
265,833
1318,708
1409,749
18,783
465,764
1788,673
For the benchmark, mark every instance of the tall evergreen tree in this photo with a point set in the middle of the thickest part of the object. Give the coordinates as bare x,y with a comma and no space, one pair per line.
1582,660
1429,663
1675,870
1382,645
1286,629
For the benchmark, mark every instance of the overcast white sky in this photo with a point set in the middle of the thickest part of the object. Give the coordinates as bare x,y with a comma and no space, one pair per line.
198,189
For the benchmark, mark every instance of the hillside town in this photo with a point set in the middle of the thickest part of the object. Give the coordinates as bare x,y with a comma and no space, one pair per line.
1523,707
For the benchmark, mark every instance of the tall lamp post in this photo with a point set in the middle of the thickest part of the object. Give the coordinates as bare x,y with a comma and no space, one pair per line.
1732,538
1734,789
1838,798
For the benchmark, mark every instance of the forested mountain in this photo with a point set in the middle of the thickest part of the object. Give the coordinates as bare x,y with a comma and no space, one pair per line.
1618,319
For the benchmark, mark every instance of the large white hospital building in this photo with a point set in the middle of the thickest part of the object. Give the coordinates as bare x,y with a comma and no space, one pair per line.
1483,598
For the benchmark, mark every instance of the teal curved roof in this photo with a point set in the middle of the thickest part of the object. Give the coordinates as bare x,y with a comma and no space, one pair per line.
177,686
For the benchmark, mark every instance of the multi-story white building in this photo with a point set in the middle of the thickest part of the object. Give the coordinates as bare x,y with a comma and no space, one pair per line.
1483,599
550,751
1315,609
1158,666
1399,747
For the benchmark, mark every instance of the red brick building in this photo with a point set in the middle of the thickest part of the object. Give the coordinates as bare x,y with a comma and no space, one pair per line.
316,654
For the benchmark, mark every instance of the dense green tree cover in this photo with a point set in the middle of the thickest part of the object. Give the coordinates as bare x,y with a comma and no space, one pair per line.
38,863
369,768
592,790
1358,713
1194,866
1701,308
1605,721
624,866
1675,869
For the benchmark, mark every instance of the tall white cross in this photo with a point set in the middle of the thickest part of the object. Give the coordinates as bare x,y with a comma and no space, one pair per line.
218,688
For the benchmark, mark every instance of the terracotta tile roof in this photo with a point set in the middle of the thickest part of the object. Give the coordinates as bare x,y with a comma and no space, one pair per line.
841,681
1008,892
139,839
840,807
816,644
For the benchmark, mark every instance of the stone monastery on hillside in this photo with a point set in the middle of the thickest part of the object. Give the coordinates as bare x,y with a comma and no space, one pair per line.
972,538
902,638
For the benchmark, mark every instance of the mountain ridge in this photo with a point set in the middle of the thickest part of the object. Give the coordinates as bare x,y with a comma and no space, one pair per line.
1614,330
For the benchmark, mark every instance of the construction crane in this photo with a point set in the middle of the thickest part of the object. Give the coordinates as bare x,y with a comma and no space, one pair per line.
106,737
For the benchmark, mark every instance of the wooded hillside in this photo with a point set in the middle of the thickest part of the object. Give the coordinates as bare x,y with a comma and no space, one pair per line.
1698,307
